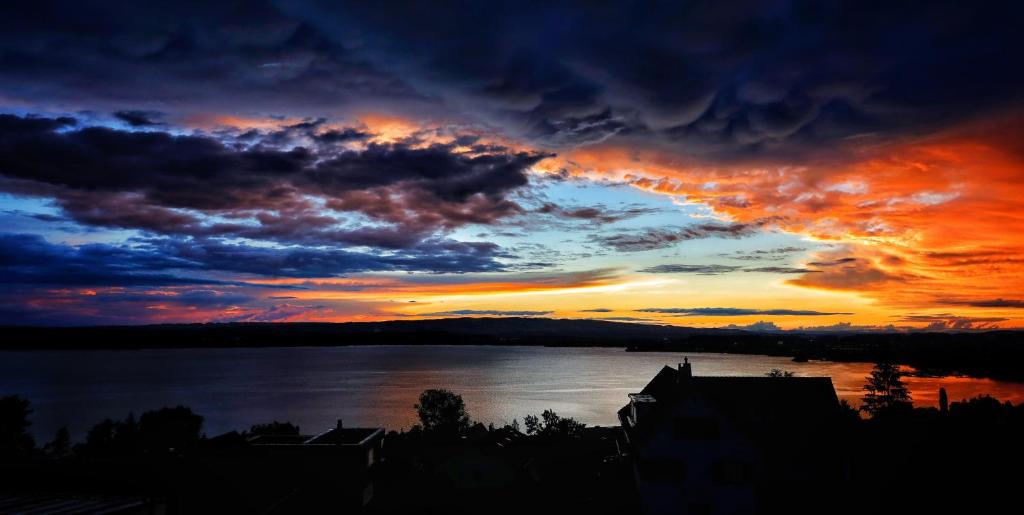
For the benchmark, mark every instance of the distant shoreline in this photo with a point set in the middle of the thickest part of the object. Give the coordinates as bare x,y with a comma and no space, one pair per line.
987,354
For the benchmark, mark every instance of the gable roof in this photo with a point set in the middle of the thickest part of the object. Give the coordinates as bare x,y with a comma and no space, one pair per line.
777,408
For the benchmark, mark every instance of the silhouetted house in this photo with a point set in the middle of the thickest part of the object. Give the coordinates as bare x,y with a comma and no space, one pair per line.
331,471
732,444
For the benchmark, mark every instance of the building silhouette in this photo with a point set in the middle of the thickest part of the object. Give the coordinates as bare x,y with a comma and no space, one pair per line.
732,444
290,473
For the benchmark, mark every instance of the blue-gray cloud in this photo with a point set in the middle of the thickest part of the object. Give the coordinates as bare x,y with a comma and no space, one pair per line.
659,238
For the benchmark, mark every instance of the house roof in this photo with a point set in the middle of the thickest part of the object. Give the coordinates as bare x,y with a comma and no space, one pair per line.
770,407
345,436
333,436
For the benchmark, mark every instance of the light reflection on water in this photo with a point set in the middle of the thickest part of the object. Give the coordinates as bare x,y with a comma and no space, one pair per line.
314,386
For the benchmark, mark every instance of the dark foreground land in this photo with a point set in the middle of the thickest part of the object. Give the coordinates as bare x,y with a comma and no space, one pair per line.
961,459
994,354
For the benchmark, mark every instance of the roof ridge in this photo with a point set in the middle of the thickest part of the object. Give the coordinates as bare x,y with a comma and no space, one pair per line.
761,377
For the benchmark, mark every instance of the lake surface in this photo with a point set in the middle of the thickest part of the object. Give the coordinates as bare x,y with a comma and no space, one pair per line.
378,385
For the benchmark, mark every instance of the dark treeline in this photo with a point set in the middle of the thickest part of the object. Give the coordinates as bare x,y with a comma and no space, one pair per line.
960,456
447,463
993,354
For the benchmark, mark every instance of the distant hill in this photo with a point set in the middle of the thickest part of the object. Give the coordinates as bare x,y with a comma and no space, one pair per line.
997,354
498,331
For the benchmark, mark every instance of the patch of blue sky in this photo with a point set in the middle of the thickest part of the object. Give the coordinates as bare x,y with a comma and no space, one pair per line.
33,215
534,242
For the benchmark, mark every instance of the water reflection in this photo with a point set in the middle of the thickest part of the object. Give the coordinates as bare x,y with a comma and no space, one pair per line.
235,388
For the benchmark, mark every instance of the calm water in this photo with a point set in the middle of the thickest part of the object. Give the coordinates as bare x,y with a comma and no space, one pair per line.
314,386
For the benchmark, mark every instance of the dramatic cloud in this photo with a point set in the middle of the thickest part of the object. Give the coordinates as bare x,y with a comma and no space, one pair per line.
721,269
167,183
723,81
187,56
690,269
596,214
733,312
651,239
765,254
29,259
848,273
139,118
203,146
781,270
949,322
989,303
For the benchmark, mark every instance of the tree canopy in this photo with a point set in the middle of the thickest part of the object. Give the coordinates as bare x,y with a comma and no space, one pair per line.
885,390
550,424
15,439
274,428
442,412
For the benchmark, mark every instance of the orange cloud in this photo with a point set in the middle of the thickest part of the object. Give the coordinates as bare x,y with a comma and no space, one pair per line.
917,222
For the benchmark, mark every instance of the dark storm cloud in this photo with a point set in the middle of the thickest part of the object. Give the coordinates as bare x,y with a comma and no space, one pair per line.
30,260
732,312
335,136
188,55
722,80
139,118
658,238
442,256
725,80
162,182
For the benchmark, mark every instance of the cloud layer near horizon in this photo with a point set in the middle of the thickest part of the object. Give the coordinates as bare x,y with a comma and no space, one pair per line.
197,149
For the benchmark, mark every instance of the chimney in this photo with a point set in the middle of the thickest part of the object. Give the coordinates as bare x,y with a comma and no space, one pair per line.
684,368
340,426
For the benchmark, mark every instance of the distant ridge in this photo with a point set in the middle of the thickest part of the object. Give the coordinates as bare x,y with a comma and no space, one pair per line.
996,354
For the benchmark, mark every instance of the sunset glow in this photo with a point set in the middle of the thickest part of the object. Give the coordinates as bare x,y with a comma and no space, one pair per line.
322,165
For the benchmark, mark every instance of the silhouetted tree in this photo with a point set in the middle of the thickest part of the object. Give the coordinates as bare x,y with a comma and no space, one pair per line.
943,401
274,428
15,439
532,424
61,444
550,424
442,412
101,437
112,437
778,372
885,389
155,431
169,428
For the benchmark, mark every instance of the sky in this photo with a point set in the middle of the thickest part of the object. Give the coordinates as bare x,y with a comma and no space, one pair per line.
763,165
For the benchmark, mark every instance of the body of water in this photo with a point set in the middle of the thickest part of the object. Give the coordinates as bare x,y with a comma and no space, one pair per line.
378,385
